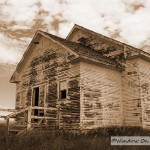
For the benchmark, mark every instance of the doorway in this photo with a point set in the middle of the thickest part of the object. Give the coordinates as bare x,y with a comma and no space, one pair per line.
36,100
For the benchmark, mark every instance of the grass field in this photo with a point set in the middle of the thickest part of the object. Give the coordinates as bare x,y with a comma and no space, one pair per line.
44,139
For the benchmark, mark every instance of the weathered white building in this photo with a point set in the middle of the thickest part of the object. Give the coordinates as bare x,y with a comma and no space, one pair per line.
85,81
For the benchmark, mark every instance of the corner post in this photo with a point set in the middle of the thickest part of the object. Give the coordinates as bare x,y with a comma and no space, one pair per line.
29,118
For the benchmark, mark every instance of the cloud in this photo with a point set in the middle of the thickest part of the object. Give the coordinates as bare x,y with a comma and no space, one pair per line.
125,20
9,53
136,28
134,5
19,11
8,56
20,21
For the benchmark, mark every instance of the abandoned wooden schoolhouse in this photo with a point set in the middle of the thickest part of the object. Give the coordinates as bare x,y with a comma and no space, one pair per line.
82,82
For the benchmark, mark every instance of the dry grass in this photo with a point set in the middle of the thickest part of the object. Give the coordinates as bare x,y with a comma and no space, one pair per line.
45,139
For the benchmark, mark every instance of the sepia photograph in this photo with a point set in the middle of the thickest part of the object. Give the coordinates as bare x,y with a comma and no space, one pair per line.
75,75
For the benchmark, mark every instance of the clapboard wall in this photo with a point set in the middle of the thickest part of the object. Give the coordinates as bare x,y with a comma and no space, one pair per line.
144,71
101,96
131,94
46,66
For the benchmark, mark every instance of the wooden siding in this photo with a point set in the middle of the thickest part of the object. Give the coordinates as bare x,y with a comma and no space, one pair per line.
101,96
144,68
47,64
97,96
131,94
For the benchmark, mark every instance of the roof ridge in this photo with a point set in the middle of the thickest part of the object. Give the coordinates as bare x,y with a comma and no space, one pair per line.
78,49
99,34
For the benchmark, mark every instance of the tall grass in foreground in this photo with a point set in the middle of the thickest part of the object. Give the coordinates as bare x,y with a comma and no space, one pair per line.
45,139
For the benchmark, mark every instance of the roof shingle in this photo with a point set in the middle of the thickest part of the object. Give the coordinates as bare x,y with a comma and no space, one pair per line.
85,52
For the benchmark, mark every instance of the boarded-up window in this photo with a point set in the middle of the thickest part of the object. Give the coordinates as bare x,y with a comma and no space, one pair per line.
22,98
63,89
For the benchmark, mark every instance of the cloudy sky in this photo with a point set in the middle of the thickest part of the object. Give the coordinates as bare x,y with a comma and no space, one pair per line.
124,20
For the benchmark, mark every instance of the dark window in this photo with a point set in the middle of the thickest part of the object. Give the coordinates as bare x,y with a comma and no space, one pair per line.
63,89
36,101
36,42
63,94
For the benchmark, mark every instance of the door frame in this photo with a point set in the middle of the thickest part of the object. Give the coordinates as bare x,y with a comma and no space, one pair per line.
45,94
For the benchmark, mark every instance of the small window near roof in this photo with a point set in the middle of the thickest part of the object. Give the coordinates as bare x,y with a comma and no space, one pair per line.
63,89
36,42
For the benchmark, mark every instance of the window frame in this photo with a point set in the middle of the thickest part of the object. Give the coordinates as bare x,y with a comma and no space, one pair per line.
59,90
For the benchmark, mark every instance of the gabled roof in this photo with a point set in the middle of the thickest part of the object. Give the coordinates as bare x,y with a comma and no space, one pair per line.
139,52
77,49
84,52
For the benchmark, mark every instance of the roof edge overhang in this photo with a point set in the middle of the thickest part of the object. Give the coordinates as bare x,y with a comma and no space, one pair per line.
71,31
81,59
141,55
13,78
42,33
